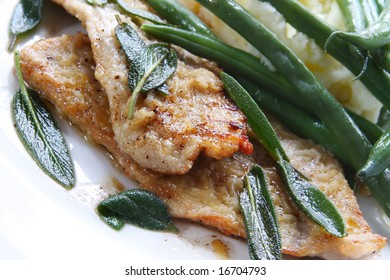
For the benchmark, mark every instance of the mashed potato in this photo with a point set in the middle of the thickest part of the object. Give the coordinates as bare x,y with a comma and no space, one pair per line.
335,77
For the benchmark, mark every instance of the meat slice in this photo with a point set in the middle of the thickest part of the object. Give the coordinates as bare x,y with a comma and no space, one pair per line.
61,69
167,133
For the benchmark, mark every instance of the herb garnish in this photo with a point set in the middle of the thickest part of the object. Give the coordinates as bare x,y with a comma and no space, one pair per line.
139,207
262,229
140,13
40,133
311,200
26,16
151,65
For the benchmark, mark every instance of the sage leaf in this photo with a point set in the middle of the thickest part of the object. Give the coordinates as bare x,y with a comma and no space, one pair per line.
140,13
261,224
40,134
153,67
257,120
150,65
311,200
307,197
27,15
138,207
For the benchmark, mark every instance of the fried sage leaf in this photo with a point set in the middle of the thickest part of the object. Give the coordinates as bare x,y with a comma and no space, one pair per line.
306,196
139,207
131,43
155,65
264,240
40,134
311,200
150,65
150,70
26,16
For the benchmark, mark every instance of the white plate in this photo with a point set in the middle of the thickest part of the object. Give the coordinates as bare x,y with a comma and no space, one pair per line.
40,220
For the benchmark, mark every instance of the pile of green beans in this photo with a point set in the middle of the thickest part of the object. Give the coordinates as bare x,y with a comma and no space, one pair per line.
371,32
375,78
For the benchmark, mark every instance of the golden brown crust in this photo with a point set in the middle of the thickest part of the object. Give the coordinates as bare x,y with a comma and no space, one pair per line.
168,133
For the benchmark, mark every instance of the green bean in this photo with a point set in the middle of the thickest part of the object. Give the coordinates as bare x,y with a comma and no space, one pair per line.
294,118
180,16
375,79
355,21
384,119
379,158
371,130
379,187
232,59
381,56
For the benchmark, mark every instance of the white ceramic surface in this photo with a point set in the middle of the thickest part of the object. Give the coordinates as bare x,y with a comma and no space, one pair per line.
40,220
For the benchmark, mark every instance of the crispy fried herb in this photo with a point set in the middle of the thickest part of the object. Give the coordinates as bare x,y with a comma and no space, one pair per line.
151,65
261,224
139,207
40,134
26,16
